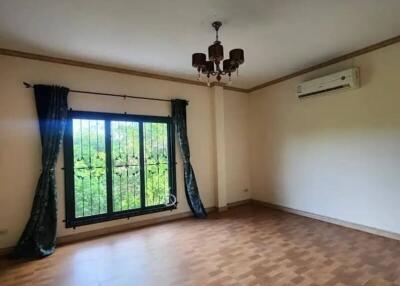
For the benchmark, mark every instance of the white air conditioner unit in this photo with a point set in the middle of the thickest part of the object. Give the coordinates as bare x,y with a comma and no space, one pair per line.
347,79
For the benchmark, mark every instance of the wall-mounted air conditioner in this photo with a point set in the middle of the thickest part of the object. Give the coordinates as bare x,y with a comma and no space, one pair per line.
347,79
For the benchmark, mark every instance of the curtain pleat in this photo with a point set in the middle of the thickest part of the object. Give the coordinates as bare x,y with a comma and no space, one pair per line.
39,236
191,189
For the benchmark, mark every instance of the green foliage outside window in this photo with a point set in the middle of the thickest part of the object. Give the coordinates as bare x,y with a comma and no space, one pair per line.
90,167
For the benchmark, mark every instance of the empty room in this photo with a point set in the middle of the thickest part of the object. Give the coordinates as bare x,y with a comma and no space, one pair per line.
204,143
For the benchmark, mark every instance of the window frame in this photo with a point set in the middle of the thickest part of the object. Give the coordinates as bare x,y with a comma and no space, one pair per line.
70,219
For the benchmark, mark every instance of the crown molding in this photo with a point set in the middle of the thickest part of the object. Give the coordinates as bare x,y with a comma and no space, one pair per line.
44,58
228,87
63,61
341,58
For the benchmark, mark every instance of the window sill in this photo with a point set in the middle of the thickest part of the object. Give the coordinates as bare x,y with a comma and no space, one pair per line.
117,215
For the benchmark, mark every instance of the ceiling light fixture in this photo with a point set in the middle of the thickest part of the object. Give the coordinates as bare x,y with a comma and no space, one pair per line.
215,57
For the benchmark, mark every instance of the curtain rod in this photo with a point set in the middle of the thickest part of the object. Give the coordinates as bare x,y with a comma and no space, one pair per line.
28,85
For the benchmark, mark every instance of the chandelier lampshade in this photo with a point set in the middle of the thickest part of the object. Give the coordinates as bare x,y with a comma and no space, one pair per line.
198,60
208,68
228,66
237,56
216,52
212,66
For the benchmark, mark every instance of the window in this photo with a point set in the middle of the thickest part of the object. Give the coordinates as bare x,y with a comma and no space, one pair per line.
117,166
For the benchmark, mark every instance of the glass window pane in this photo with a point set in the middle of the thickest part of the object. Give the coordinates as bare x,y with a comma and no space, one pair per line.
89,167
125,165
155,137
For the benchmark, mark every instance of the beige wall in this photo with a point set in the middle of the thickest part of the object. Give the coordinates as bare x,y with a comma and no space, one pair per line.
20,142
236,107
338,154
335,155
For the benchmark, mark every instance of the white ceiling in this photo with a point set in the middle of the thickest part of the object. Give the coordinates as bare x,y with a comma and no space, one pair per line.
159,36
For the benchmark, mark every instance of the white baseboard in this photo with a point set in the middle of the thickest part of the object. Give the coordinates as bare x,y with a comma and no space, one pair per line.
343,223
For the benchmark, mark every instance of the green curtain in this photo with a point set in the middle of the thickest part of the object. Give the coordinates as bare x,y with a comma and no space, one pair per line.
191,189
39,236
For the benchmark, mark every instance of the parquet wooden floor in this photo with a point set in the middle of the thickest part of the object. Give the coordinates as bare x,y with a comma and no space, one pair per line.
247,245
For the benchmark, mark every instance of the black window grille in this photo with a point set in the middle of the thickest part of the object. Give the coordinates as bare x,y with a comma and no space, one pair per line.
117,166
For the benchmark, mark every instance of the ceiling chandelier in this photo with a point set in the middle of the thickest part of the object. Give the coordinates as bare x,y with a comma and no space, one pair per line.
212,67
